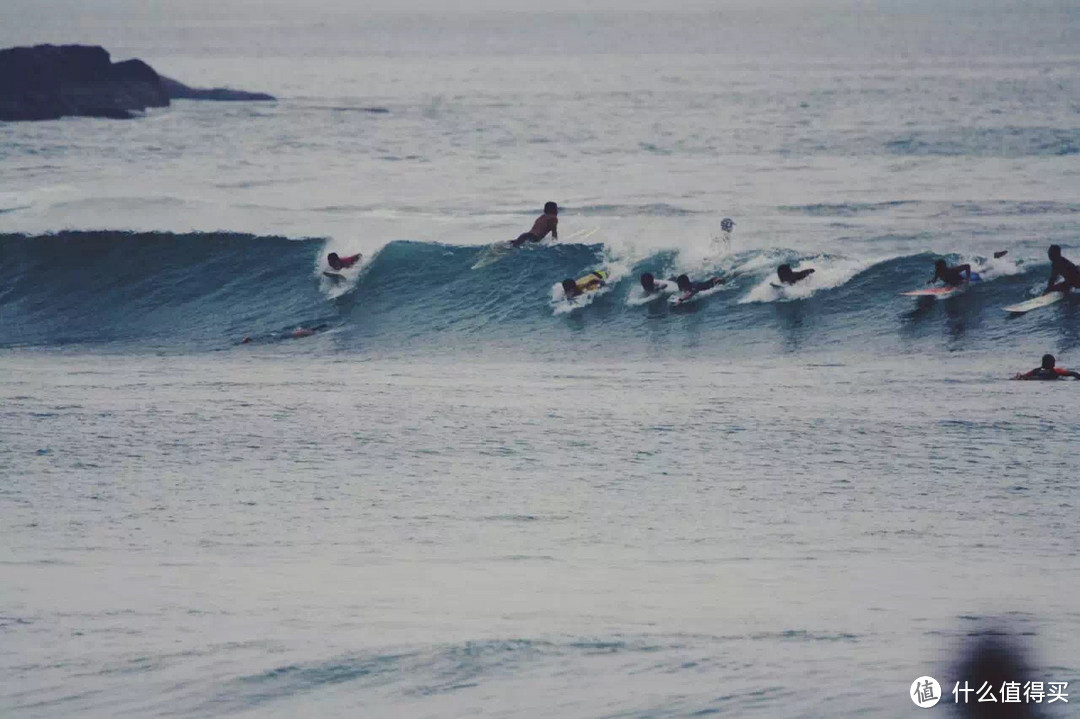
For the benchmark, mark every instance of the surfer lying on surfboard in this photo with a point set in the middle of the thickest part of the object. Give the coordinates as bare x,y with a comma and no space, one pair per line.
545,223
789,276
952,276
690,288
1063,268
653,287
341,263
1048,371
576,288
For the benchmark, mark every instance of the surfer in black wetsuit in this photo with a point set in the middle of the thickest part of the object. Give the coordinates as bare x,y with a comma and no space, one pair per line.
545,223
951,276
1048,371
789,276
1061,267
688,286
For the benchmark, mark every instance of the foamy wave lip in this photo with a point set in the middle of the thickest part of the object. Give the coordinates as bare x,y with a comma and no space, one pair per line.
991,269
829,272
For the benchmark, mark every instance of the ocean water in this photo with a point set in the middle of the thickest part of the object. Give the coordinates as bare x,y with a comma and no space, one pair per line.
462,496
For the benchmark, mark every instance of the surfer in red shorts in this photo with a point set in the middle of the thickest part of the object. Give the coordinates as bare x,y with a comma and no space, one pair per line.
341,263
1048,371
545,223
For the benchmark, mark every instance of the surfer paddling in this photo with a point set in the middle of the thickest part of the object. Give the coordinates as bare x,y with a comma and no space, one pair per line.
689,288
1048,371
545,223
789,276
650,285
576,288
952,276
1063,268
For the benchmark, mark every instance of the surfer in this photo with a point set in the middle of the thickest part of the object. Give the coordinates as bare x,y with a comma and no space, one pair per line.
648,283
1048,371
1063,268
789,276
952,276
545,223
575,288
689,287
341,263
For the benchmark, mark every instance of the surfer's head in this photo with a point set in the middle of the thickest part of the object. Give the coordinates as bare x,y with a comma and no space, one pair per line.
550,208
784,272
726,224
1048,362
684,283
334,260
569,288
941,266
1054,252
648,282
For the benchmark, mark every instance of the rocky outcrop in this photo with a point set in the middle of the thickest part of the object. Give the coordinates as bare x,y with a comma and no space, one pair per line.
179,91
47,82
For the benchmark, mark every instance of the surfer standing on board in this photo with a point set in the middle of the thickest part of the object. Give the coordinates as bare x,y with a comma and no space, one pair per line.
1048,371
951,276
1063,268
545,223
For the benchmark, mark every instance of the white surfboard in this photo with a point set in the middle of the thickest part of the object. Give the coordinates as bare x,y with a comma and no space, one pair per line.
939,292
494,252
1042,301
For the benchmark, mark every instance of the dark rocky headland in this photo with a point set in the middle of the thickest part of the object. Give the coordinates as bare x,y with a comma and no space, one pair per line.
46,82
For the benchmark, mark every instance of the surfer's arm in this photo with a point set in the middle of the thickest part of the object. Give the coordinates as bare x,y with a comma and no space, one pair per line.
1070,373
965,269
1053,276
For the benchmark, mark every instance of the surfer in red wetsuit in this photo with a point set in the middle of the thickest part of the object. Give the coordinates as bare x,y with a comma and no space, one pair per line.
1063,268
545,223
341,263
1048,371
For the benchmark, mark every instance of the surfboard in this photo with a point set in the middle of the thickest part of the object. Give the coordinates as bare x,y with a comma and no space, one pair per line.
1033,304
334,277
582,234
493,253
938,292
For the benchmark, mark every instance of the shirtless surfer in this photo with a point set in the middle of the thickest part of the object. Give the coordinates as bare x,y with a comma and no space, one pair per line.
545,223
1063,268
952,276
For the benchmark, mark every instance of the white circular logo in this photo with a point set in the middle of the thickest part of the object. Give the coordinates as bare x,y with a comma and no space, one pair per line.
925,692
